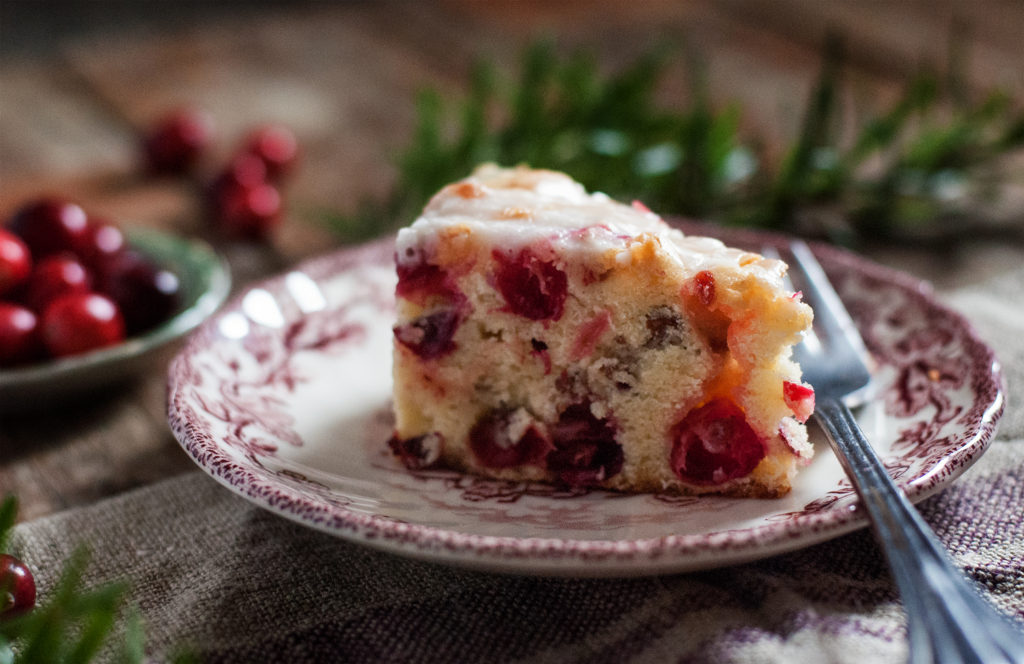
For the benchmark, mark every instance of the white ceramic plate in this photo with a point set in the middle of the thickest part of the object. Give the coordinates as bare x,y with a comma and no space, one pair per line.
204,280
284,398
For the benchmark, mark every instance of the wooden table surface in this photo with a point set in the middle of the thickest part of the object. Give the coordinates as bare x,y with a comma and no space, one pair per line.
344,76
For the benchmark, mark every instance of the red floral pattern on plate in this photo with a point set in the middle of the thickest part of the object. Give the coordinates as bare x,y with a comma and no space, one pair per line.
290,409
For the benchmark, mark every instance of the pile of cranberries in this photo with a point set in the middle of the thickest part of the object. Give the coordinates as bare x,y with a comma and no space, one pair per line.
17,587
69,284
243,200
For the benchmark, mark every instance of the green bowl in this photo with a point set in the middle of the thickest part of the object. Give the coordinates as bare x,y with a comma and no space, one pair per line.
205,281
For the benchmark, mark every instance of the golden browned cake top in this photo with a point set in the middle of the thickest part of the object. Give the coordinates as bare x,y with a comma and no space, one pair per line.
513,207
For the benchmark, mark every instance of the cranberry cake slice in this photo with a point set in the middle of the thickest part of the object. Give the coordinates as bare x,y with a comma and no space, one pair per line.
545,333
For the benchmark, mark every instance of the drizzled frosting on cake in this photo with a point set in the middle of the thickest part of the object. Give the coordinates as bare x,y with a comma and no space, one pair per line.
514,207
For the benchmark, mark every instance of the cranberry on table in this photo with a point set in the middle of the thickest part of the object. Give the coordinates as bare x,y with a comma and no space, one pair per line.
15,262
81,322
174,145
49,225
276,146
146,294
19,334
53,277
17,587
244,170
247,212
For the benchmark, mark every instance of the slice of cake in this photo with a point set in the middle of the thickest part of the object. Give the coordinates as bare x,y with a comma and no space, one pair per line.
545,333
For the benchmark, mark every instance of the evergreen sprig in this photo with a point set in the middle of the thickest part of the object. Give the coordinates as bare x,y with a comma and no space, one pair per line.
75,625
907,169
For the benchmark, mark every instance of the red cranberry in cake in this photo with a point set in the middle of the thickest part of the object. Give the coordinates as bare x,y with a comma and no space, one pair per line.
586,451
799,398
429,336
549,334
419,451
704,286
508,438
419,280
532,287
714,444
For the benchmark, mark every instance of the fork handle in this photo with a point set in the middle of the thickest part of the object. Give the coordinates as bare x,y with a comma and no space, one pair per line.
947,620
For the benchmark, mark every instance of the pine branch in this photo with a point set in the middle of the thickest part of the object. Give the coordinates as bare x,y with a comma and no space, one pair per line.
75,625
608,132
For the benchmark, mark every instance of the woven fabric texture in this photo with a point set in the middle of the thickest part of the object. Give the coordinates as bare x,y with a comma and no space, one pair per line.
236,584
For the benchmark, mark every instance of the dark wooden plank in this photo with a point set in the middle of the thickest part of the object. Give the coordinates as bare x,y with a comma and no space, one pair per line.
345,90
767,74
52,126
898,38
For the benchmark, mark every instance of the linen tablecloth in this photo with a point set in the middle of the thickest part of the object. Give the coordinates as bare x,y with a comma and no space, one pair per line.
235,583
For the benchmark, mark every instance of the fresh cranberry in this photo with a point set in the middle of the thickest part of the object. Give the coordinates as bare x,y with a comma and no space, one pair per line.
491,440
19,334
585,450
714,444
81,322
174,145
418,451
15,262
17,587
244,170
146,294
276,146
247,212
49,225
53,277
532,288
429,336
99,244
799,398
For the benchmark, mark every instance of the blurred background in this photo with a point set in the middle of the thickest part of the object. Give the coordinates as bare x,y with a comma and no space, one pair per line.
82,81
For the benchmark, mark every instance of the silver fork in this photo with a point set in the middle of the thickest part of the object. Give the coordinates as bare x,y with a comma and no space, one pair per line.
947,620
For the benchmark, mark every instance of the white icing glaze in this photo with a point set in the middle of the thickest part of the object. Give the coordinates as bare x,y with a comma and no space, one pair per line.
514,207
